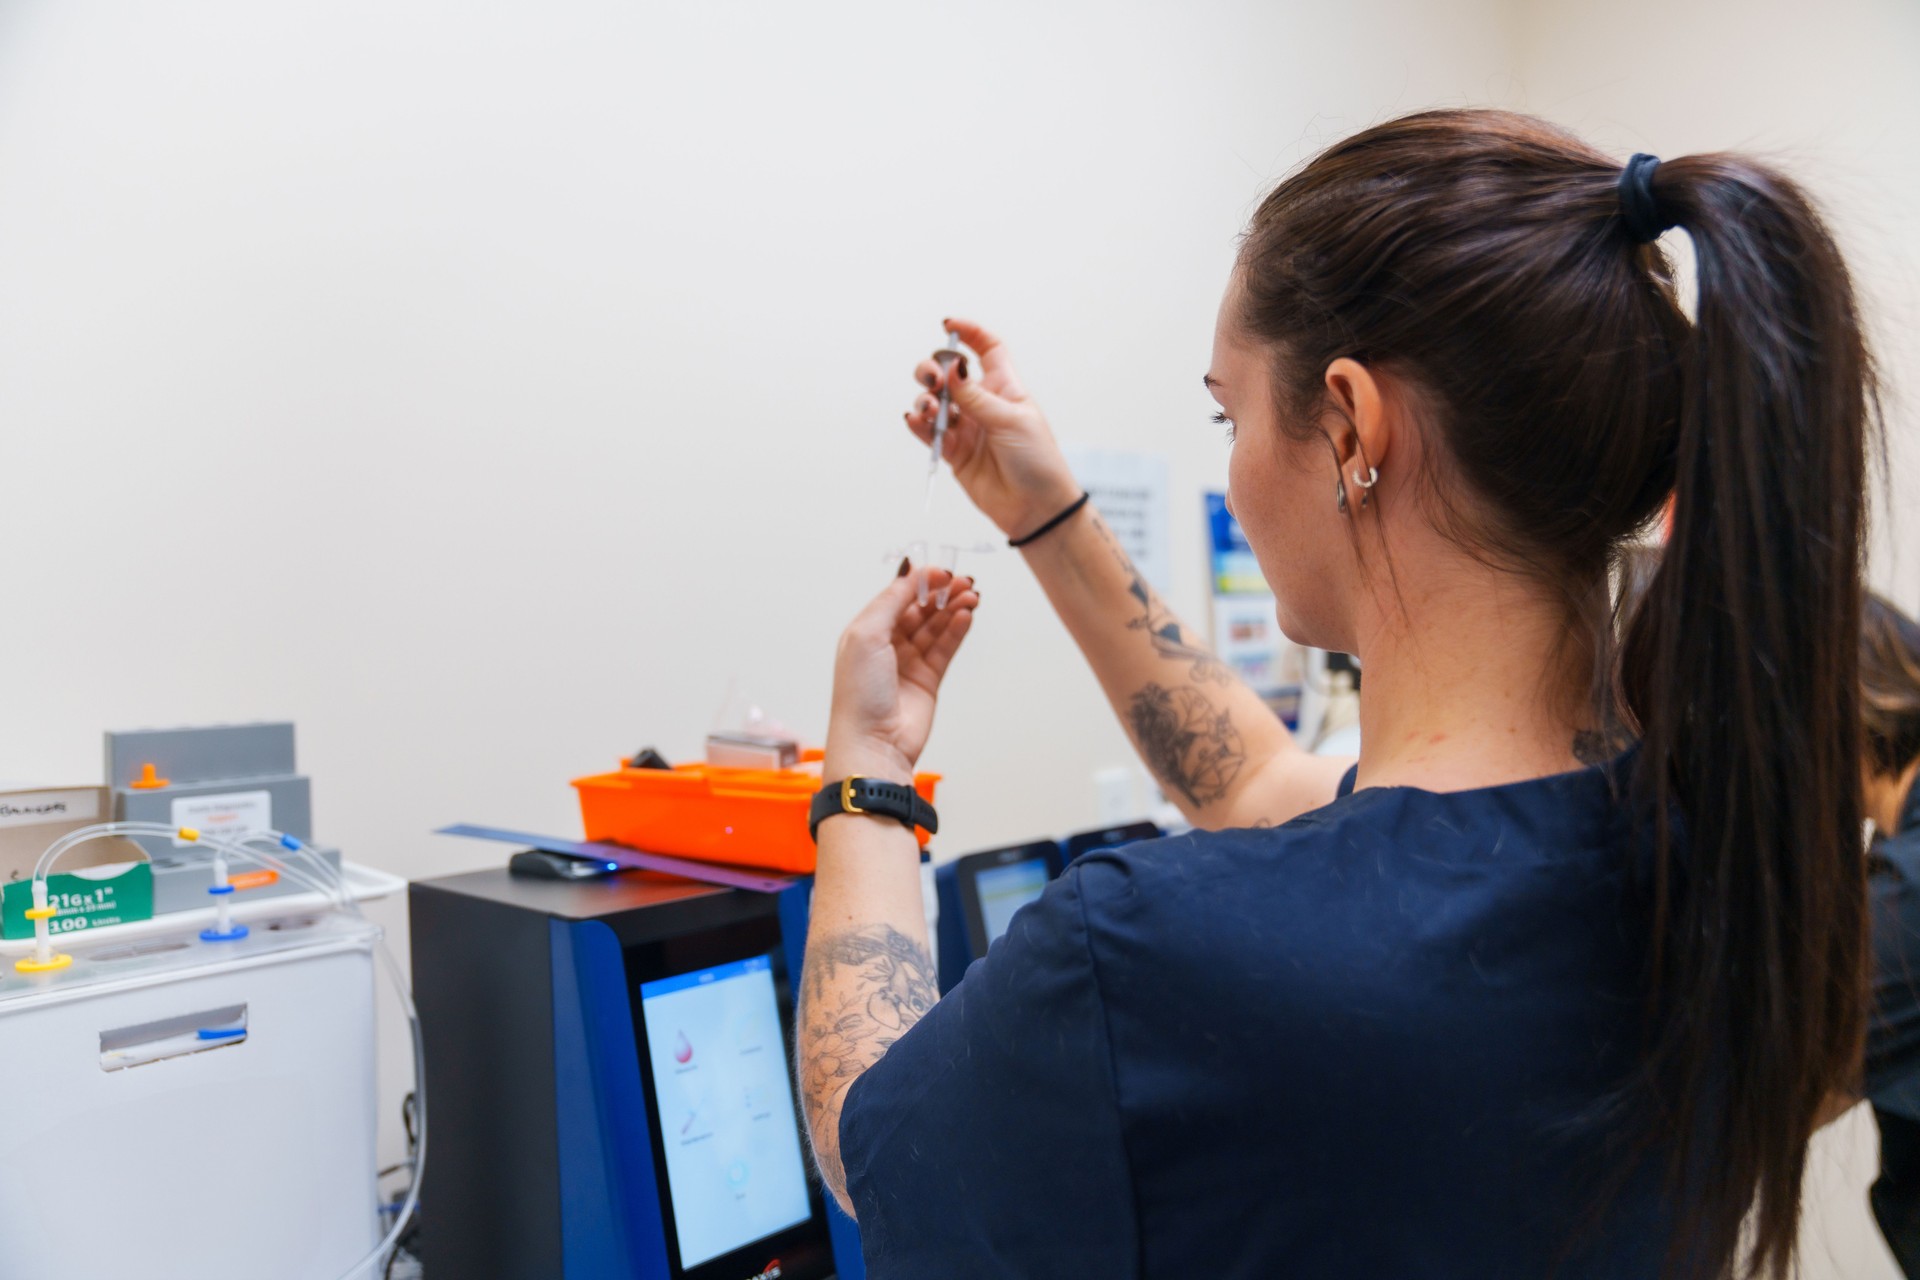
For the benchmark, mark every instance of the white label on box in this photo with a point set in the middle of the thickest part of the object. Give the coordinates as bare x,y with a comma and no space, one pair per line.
233,814
29,808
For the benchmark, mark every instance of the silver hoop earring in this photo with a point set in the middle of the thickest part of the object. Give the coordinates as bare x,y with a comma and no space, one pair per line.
1366,485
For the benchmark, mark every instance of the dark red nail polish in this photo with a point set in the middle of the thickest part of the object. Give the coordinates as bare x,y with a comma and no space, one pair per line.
905,566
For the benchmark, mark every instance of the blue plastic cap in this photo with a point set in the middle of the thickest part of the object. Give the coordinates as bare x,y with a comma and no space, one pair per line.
234,934
219,888
289,844
220,1033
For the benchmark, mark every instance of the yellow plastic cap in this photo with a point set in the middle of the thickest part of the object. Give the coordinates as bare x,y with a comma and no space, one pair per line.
27,964
42,913
189,834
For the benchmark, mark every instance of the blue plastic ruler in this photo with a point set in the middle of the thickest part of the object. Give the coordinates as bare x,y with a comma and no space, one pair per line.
705,872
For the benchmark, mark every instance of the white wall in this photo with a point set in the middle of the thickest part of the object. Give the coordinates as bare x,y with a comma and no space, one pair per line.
483,386
1830,91
1839,1239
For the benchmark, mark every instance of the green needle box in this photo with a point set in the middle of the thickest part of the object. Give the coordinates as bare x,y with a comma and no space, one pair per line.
101,882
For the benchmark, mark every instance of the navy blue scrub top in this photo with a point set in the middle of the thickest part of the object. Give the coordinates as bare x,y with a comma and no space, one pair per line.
1893,1038
1370,1043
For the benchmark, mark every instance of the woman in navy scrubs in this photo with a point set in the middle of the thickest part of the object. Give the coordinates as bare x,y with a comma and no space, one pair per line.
1501,998
1890,677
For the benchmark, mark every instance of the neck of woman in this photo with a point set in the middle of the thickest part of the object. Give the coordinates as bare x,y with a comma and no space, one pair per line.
1473,677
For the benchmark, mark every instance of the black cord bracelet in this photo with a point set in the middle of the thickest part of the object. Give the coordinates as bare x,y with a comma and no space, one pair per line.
1054,523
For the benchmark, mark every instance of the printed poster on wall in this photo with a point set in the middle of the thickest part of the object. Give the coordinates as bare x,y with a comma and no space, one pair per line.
1246,633
1232,569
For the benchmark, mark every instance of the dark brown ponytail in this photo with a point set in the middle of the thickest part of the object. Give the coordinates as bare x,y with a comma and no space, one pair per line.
1484,258
1742,671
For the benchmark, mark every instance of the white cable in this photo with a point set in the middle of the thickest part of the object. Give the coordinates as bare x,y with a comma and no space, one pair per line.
405,994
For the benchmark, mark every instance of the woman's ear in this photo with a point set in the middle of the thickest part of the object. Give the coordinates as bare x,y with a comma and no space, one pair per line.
1361,402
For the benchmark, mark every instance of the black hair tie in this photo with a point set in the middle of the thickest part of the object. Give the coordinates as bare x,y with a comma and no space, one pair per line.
1639,209
1050,526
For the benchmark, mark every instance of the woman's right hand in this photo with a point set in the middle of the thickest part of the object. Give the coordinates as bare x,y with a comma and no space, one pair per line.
998,442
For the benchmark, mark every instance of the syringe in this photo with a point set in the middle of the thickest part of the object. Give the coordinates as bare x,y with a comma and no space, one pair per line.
946,359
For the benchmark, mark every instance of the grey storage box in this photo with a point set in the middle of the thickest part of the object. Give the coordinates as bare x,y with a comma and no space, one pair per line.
223,780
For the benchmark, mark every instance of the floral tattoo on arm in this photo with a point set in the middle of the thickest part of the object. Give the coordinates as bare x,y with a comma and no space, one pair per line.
859,992
1188,741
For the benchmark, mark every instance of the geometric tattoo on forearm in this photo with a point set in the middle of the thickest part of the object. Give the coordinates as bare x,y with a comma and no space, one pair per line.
1163,630
1169,639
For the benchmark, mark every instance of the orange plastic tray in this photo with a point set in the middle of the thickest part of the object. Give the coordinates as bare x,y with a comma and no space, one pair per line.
743,817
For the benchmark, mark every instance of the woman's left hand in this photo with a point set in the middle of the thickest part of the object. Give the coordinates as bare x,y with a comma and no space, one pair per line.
887,674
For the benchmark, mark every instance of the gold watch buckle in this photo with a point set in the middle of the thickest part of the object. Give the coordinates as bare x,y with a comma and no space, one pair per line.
846,794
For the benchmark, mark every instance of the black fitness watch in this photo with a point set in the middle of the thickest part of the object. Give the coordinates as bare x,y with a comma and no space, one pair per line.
894,800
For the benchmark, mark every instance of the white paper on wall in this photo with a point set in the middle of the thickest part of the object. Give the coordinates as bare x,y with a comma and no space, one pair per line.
1131,490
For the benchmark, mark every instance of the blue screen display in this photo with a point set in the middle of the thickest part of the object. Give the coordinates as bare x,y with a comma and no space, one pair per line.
1004,890
729,1127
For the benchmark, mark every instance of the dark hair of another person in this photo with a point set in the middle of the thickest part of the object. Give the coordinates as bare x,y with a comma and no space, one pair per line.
1890,681
1479,260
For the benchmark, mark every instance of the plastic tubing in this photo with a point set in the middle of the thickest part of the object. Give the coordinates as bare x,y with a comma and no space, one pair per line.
327,885
319,876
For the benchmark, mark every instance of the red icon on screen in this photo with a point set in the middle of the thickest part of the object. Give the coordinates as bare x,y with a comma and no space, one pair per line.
683,1050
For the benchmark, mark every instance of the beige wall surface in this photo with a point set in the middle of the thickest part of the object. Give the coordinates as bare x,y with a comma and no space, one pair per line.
1839,1239
1829,91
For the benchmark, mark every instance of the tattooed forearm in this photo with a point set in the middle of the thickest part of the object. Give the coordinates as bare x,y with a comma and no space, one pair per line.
1190,743
859,991
1169,638
1164,631
1188,740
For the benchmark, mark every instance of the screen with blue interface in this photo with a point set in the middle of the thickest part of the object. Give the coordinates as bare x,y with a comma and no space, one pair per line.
727,1120
1004,890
